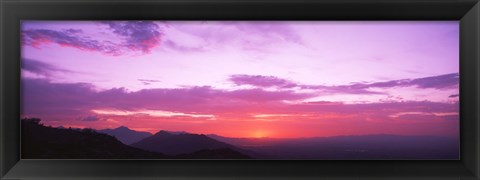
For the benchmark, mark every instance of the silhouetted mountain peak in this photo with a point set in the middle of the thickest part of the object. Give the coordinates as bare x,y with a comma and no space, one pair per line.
168,143
163,133
178,132
172,132
125,134
122,128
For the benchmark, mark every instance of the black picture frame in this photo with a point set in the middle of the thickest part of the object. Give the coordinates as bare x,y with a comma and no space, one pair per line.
13,11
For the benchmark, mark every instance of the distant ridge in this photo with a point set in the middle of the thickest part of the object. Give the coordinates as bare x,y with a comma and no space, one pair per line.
180,143
125,135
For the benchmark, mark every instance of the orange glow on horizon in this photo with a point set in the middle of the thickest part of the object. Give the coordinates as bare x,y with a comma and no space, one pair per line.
259,134
275,127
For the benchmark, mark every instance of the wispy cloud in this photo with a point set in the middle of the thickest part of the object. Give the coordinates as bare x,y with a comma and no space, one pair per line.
68,38
261,81
138,35
41,68
271,30
148,81
153,113
83,97
92,118
453,96
435,82
256,37
182,48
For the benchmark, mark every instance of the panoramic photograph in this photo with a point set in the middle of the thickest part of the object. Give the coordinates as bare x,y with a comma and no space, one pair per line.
254,90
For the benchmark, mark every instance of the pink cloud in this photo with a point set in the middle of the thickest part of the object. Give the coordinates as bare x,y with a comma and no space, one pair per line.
271,30
67,38
182,48
446,81
261,81
140,36
41,96
148,81
40,68
259,95
44,96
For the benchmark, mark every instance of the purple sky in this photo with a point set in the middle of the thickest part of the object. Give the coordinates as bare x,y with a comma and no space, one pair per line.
175,70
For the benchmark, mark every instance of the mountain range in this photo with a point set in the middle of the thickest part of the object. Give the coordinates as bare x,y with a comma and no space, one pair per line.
42,142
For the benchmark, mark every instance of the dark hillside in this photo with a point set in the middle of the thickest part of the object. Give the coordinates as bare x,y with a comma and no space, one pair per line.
41,142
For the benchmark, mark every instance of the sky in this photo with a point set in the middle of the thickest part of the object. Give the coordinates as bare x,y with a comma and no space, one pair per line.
281,79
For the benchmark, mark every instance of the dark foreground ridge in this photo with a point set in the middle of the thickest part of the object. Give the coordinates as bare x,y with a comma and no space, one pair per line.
41,142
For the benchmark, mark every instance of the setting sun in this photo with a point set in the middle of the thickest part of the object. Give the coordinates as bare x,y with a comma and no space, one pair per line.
259,134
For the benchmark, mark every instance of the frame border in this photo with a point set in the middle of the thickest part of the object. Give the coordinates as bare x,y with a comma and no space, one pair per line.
466,11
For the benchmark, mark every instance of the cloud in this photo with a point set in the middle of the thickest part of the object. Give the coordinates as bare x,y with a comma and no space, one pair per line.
261,81
182,48
43,97
259,95
381,108
148,81
135,36
436,82
445,81
153,113
425,117
256,37
270,30
38,37
40,68
345,89
453,96
91,118
138,35
40,95
74,31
